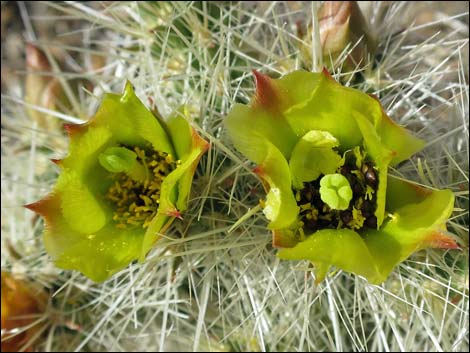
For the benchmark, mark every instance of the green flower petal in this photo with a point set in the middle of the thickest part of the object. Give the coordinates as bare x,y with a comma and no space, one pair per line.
144,122
381,156
267,141
312,156
126,119
57,234
98,255
298,88
80,207
247,125
331,108
411,228
102,255
401,193
398,139
186,140
342,248
85,145
171,196
180,132
281,208
184,185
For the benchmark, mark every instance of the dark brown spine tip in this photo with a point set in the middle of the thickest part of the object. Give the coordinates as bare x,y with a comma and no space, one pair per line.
56,161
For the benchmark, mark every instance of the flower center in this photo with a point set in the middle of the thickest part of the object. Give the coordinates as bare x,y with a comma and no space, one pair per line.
344,200
137,179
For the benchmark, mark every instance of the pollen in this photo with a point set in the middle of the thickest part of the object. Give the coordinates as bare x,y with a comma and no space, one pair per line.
358,219
135,202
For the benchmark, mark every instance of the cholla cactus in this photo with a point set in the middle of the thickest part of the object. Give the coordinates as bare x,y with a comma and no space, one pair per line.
213,281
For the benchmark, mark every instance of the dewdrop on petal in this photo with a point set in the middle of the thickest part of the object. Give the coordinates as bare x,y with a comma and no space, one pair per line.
127,176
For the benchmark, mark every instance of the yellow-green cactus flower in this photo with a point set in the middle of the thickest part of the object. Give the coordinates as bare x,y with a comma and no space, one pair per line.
323,152
128,174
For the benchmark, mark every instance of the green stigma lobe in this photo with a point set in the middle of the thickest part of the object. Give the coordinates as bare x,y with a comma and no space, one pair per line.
335,191
121,159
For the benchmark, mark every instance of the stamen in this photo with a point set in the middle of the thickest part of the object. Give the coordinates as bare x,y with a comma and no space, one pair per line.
136,199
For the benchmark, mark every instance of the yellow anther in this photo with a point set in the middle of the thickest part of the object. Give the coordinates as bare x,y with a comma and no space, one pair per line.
358,174
359,156
340,224
148,201
169,159
358,219
297,196
369,192
127,195
326,217
301,234
314,214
